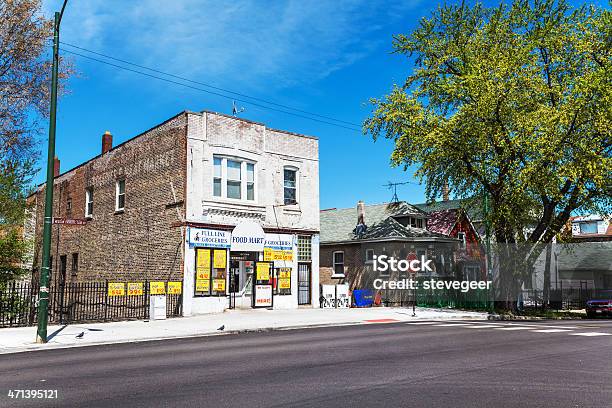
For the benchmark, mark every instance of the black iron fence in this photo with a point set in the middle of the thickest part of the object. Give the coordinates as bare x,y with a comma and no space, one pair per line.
82,302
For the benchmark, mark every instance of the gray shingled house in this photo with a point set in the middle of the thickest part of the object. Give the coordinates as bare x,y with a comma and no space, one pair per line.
351,237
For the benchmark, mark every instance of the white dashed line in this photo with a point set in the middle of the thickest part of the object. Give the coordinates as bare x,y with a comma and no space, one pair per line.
590,334
550,331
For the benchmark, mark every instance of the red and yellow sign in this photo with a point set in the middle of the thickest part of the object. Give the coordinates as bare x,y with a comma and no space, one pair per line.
135,288
202,285
220,259
263,271
277,255
157,288
219,285
175,288
284,278
116,289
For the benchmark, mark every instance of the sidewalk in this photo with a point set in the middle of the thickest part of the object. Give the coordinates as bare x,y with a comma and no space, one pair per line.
14,340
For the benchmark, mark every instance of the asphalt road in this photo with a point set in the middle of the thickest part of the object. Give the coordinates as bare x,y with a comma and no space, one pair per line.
375,365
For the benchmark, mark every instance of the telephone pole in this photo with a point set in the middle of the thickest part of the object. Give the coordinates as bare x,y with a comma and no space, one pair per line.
43,296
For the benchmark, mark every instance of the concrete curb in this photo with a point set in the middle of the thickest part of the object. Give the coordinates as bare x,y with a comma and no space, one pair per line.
57,346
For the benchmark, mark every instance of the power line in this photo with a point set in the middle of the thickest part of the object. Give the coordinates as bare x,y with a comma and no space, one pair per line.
209,85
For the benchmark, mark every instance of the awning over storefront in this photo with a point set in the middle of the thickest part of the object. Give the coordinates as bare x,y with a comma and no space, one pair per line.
248,236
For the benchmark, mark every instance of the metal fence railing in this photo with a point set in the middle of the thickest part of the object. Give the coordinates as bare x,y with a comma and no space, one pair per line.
81,302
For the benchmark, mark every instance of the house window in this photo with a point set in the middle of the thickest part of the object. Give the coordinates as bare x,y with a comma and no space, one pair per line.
304,247
461,236
290,185
217,177
89,202
369,255
233,179
413,222
588,227
68,205
75,264
338,258
120,195
419,223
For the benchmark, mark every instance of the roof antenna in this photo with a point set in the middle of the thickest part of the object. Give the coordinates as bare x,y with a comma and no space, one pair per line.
393,186
236,110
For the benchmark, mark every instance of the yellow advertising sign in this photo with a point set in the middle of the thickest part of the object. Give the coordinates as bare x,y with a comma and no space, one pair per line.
157,288
284,273
203,260
202,285
135,288
277,255
284,283
116,289
203,274
175,288
219,285
263,271
220,259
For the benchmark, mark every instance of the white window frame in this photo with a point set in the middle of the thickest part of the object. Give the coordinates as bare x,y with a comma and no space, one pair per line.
243,179
462,236
118,194
334,263
369,259
88,199
297,184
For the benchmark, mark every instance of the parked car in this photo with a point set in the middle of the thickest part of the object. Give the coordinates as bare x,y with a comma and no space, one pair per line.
600,305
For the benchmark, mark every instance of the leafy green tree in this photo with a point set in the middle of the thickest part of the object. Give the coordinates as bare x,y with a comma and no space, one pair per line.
513,101
24,93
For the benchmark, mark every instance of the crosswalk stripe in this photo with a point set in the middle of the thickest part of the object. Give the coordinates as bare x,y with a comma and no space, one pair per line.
590,334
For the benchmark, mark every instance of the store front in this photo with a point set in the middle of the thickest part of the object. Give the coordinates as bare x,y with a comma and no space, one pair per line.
240,269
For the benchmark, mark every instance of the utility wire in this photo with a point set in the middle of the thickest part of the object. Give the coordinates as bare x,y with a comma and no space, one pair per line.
213,92
208,85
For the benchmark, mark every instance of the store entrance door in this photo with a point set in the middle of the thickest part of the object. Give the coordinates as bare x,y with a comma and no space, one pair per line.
304,284
242,266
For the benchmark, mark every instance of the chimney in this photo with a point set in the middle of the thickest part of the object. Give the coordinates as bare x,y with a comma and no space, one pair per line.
56,167
445,191
107,142
360,212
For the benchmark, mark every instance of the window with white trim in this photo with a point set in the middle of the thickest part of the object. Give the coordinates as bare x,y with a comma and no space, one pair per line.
120,195
89,202
234,178
461,236
290,185
338,262
369,255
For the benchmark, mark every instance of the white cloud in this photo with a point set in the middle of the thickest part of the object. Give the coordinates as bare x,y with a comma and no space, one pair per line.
242,41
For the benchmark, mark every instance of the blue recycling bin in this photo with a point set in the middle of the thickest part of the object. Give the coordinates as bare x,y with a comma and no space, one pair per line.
363,297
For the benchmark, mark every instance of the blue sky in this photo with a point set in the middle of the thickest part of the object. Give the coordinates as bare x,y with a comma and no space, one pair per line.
327,57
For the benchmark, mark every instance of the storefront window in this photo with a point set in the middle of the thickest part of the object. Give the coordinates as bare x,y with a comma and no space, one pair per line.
210,273
282,281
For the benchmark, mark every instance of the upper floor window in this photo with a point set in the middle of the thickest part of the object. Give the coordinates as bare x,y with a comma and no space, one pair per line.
461,236
89,202
338,263
290,185
233,179
120,195
369,255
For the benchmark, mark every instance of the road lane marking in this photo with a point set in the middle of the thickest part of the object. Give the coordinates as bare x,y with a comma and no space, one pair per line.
590,334
550,331
452,324
488,326
514,328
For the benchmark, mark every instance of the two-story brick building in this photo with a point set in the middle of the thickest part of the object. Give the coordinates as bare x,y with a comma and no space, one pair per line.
226,205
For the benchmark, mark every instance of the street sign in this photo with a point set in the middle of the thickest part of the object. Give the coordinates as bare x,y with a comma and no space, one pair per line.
69,221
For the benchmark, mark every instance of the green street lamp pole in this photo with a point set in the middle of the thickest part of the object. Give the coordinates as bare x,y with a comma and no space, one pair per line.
43,296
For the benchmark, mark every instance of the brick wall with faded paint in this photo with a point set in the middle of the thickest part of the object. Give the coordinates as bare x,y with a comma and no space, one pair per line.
141,242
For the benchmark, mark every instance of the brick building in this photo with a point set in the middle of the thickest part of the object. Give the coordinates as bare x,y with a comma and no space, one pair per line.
157,205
